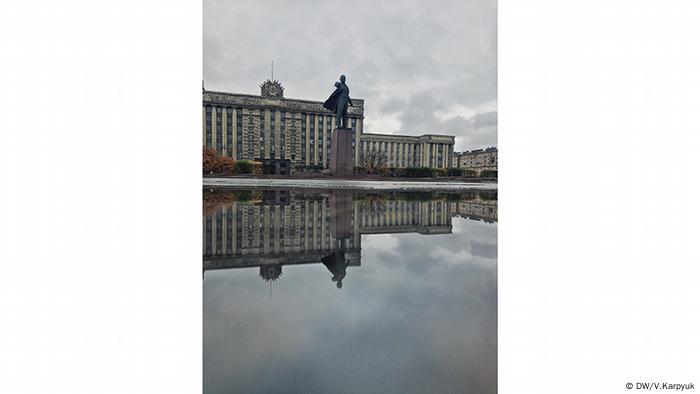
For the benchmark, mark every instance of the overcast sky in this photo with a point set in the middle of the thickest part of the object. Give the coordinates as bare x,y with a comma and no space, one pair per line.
422,67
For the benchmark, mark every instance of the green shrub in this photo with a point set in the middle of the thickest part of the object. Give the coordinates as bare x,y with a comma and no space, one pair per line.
416,172
416,196
453,171
453,197
244,167
359,170
489,174
469,173
440,172
243,195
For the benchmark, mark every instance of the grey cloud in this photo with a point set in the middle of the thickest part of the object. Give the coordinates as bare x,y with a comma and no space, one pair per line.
392,106
395,54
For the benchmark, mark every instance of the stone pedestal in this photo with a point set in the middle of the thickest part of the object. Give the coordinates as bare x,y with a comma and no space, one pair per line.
340,203
341,152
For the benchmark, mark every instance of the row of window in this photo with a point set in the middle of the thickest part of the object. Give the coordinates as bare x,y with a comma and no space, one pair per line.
316,145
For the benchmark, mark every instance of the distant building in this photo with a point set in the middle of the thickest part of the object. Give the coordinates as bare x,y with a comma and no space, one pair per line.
270,126
477,160
428,150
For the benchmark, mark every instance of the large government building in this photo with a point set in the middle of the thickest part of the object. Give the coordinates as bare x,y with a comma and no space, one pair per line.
270,126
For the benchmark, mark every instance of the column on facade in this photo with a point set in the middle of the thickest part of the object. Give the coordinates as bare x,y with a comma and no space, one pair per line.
358,134
234,132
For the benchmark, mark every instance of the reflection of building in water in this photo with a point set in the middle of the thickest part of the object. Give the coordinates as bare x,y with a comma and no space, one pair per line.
298,232
399,216
480,208
307,229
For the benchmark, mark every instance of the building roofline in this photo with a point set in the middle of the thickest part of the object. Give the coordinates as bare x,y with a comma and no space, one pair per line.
409,136
274,98
480,150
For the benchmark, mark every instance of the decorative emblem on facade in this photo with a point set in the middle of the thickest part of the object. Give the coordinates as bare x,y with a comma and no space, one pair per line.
272,88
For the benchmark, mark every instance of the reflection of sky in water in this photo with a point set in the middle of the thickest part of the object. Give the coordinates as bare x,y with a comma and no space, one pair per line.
418,316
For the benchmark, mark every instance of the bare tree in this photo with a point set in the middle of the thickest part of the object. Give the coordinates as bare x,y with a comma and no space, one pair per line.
374,162
372,204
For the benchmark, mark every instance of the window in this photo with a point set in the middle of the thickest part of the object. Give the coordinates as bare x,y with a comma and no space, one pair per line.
283,134
239,132
207,125
262,133
229,132
272,134
219,132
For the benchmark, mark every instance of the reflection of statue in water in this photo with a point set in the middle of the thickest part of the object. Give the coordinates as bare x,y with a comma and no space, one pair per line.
338,103
335,262
270,272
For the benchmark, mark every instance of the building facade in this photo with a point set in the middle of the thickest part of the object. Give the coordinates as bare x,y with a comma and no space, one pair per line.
272,229
428,150
270,126
477,160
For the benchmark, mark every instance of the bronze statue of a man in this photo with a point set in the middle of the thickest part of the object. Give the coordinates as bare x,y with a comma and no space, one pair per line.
338,103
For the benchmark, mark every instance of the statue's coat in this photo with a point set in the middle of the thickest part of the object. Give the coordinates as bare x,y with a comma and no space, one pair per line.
339,100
